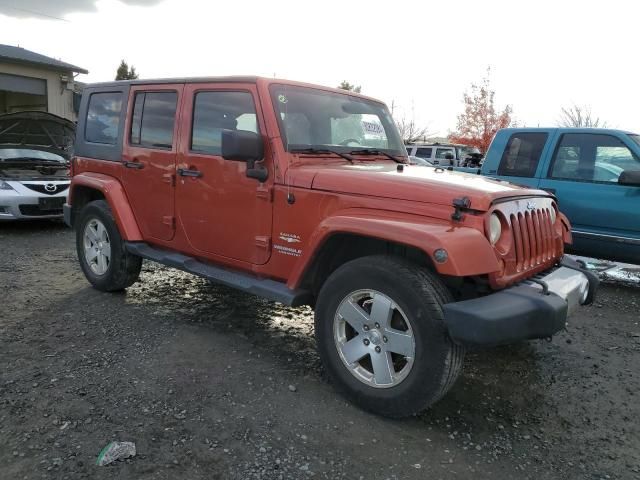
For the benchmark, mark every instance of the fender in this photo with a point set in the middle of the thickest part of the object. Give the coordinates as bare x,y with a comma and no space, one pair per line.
469,251
114,193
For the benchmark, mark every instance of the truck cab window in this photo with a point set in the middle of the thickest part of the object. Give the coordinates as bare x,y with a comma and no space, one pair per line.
522,154
592,158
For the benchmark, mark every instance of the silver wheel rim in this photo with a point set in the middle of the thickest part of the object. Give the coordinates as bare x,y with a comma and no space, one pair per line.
374,338
97,247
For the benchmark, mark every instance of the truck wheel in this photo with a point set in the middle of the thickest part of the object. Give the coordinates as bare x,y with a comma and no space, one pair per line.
381,335
103,258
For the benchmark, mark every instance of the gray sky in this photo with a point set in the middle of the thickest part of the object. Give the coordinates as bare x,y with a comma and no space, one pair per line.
420,55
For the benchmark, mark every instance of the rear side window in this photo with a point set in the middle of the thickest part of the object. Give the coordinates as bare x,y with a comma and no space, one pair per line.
217,111
521,157
153,120
423,152
103,118
441,153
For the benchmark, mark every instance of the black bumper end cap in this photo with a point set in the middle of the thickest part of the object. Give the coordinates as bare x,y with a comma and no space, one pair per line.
509,316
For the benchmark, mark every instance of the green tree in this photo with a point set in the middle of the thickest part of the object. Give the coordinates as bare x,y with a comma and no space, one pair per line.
344,85
125,72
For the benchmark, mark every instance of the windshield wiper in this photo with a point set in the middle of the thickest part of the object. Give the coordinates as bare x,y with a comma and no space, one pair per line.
320,151
369,151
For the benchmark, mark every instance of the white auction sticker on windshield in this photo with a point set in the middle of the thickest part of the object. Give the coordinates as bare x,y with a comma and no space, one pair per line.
371,127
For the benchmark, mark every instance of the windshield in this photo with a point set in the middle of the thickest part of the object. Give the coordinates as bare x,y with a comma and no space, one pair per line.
27,153
635,138
311,118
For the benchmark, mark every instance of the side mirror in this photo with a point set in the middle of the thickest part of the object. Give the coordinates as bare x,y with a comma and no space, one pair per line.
245,146
630,177
448,156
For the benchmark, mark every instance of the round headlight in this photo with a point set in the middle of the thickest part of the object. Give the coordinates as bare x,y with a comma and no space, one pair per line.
495,229
552,215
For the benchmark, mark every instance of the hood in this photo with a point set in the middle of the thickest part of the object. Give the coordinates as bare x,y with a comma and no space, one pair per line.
415,183
37,131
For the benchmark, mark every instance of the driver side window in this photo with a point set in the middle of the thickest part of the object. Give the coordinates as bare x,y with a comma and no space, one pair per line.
217,111
585,157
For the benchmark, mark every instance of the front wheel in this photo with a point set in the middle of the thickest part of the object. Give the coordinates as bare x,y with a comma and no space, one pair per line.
101,251
381,335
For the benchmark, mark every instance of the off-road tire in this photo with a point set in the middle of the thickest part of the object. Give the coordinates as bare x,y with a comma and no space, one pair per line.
124,268
420,294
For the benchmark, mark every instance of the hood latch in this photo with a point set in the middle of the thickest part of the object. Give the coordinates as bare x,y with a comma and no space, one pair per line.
459,204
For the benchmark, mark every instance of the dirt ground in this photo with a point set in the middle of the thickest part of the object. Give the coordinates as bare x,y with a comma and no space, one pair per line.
213,384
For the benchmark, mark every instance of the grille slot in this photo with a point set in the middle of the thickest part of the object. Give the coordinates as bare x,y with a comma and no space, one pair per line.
533,238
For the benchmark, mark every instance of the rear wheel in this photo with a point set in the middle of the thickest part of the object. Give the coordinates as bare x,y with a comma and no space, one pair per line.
382,338
101,251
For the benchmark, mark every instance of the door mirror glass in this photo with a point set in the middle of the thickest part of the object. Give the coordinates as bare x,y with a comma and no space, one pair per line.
630,177
242,146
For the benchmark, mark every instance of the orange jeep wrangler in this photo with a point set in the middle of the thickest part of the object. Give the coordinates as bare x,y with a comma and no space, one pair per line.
302,194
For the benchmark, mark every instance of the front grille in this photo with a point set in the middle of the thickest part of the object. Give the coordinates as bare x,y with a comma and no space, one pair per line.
43,188
533,238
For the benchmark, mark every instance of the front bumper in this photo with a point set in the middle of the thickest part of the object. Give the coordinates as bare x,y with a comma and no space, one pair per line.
21,203
537,308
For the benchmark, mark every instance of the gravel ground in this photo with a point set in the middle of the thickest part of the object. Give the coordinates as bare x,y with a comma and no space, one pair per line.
214,384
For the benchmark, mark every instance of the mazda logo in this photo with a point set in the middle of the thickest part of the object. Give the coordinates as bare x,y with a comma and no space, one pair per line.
50,187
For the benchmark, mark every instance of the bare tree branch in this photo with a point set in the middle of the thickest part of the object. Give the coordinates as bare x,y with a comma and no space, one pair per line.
411,132
579,116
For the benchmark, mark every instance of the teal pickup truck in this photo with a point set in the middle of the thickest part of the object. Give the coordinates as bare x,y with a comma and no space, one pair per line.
594,173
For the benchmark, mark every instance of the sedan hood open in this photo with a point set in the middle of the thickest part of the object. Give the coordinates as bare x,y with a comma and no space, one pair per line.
37,131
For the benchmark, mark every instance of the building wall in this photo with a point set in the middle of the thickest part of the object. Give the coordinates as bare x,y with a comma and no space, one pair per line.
59,95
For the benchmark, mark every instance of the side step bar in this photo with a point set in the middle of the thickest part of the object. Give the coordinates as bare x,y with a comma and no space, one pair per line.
262,287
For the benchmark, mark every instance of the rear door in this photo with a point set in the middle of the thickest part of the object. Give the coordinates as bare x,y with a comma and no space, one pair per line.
583,174
521,158
149,156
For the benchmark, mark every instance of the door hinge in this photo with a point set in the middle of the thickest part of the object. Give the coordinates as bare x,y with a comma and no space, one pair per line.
169,178
169,220
266,193
263,242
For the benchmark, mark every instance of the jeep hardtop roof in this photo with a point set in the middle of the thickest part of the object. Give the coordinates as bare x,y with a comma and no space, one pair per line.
223,79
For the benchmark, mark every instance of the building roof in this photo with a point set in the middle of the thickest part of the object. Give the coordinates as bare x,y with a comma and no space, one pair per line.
9,53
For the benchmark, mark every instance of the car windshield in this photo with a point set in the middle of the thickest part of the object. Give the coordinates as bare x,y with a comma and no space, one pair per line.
317,119
27,153
635,138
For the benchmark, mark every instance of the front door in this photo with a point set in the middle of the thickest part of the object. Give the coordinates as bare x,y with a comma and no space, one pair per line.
222,212
149,157
583,174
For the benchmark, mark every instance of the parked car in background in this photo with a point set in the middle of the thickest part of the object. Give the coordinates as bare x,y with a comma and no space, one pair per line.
443,154
594,173
35,148
420,161
302,194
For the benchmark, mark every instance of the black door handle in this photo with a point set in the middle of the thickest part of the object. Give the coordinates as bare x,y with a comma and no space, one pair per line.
183,172
136,165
